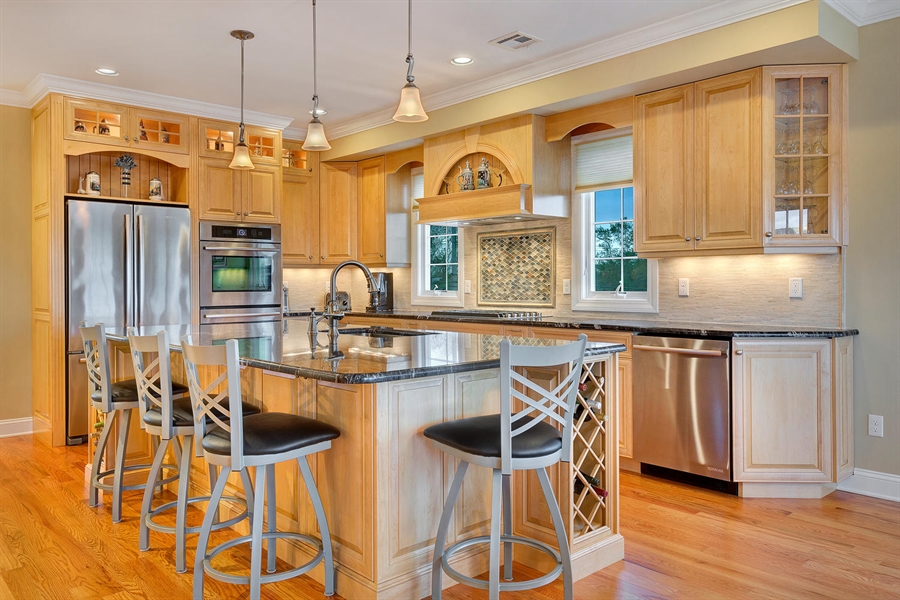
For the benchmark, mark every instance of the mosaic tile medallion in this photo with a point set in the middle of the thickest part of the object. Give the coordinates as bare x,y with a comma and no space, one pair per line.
516,268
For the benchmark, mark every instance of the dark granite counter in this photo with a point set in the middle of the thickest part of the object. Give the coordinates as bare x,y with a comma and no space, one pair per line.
634,326
285,347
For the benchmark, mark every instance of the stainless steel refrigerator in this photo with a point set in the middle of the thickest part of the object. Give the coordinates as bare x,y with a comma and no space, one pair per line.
127,264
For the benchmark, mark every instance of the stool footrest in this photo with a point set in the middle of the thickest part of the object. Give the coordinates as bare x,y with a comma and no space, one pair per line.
265,578
108,487
151,524
505,586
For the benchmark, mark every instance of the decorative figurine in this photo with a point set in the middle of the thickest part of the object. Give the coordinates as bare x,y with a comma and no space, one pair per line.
93,181
79,126
484,175
81,189
466,178
164,136
104,128
143,133
156,192
126,163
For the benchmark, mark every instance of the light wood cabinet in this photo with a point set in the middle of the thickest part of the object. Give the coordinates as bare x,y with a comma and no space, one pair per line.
218,138
300,214
252,196
697,153
371,211
792,414
337,212
120,125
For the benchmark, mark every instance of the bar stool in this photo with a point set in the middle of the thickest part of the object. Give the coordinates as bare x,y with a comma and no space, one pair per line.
509,442
112,398
255,441
171,420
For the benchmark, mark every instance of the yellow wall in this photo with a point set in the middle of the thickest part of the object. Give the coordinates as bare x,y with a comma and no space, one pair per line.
873,258
15,262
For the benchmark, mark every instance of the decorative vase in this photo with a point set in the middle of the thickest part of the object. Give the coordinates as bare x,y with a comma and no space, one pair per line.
156,192
126,163
93,181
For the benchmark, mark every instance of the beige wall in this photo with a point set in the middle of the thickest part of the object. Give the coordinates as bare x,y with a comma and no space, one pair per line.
15,262
873,258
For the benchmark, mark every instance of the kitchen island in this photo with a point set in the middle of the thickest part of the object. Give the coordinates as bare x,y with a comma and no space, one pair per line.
382,483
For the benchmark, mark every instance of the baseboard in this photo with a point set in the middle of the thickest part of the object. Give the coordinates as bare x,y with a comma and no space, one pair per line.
14,427
872,483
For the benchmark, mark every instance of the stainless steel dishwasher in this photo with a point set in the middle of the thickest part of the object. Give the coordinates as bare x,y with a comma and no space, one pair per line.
682,406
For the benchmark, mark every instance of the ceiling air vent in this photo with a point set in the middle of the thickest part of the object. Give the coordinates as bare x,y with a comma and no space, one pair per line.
515,40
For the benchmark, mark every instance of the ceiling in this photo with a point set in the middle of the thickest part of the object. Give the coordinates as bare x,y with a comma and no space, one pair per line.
184,50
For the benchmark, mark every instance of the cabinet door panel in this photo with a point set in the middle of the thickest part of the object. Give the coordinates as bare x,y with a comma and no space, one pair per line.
262,195
371,211
220,191
663,156
99,122
300,221
337,205
727,152
152,130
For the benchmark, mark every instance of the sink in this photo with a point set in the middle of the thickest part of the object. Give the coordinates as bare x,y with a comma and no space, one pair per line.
382,332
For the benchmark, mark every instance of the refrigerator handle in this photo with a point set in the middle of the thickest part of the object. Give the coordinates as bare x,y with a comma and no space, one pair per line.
129,275
139,279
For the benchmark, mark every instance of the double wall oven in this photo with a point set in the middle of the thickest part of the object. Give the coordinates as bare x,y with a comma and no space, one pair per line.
240,273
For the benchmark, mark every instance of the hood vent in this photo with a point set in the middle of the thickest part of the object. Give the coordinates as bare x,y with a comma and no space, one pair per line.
515,40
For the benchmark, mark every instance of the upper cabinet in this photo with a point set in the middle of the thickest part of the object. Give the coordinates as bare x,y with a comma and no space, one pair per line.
218,138
119,125
300,210
371,214
337,212
718,167
529,177
252,196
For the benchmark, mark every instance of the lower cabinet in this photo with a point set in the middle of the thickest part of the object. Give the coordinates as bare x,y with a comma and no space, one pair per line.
792,412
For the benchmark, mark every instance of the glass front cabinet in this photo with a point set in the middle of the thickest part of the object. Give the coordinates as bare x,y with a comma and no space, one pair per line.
804,156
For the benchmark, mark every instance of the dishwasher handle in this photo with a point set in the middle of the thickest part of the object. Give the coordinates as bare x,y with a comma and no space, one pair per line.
687,351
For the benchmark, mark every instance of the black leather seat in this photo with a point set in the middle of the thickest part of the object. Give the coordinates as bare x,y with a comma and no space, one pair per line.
182,414
126,391
481,436
272,433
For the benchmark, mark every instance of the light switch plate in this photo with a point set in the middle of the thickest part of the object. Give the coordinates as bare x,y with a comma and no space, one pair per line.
468,286
567,287
796,287
684,286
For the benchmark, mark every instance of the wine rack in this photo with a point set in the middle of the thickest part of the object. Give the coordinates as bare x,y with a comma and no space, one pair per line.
590,467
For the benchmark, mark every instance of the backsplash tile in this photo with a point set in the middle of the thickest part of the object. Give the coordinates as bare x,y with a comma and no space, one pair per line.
517,267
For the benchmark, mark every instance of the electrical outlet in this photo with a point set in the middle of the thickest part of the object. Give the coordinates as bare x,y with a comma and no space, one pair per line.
684,286
567,287
468,286
796,287
876,426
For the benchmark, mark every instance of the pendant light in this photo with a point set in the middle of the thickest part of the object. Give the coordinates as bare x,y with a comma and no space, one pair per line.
241,158
410,109
315,131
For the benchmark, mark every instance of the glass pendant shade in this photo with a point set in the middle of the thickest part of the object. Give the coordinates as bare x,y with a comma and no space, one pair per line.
315,137
410,109
241,158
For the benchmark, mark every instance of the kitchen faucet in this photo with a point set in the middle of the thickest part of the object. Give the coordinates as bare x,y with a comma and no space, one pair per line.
332,312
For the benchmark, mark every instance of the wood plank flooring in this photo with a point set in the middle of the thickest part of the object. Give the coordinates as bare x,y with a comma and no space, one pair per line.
680,542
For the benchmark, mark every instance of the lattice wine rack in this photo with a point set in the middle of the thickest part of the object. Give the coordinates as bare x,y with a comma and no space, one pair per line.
589,460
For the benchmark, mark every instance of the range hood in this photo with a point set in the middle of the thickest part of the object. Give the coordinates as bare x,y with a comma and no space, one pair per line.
536,184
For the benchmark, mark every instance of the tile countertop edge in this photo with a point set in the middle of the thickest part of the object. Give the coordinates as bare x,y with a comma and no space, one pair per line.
726,330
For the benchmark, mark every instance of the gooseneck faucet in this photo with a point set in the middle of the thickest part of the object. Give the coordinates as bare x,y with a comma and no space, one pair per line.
332,312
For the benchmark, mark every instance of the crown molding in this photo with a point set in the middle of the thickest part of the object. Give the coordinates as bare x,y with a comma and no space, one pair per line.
43,84
13,98
294,133
712,17
865,12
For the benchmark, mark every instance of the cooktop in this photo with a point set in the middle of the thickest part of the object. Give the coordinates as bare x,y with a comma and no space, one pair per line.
487,314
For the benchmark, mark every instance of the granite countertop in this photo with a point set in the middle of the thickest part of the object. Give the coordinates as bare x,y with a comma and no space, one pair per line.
285,347
725,330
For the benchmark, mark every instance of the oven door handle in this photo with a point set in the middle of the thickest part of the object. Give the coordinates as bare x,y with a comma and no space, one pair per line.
688,351
225,316
231,249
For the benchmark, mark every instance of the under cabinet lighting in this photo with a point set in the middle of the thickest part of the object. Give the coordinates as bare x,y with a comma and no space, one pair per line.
107,72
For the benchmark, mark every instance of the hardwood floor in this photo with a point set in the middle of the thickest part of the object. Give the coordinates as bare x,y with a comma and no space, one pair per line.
680,542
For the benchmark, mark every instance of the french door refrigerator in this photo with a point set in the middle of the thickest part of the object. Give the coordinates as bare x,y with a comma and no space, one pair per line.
128,264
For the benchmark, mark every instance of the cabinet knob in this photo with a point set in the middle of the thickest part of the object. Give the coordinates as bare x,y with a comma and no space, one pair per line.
739,352
381,255
310,257
697,238
126,138
768,234
322,258
687,239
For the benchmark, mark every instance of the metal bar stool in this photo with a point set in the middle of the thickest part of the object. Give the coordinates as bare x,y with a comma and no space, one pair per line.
171,420
255,441
512,442
112,398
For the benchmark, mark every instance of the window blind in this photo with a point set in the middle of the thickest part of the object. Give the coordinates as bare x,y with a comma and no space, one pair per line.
604,162
418,184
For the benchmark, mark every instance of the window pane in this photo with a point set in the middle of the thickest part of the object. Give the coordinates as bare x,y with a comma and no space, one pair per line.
452,278
635,276
438,278
628,239
628,203
608,240
438,230
452,249
439,249
608,206
607,274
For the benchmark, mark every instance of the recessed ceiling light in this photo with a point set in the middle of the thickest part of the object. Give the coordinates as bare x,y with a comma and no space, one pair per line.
107,72
461,61
319,112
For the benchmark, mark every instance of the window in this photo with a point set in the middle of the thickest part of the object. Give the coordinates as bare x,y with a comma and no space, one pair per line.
437,258
608,275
